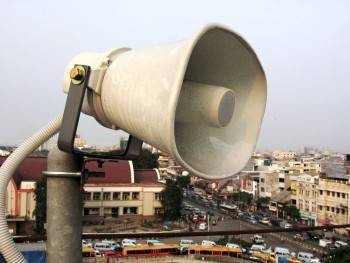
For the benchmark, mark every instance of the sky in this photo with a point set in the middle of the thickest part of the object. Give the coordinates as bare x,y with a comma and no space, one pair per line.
302,45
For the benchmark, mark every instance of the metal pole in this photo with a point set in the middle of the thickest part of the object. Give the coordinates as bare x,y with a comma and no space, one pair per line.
64,208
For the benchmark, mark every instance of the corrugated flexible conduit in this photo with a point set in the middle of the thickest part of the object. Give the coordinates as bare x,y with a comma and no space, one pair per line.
7,246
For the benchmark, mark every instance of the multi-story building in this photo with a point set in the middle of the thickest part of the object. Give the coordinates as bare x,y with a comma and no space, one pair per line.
333,199
306,198
283,155
120,192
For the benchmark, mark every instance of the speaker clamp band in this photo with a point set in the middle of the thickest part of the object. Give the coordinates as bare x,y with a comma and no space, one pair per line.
71,115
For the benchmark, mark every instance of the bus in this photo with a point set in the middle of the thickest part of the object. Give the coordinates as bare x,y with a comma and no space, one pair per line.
147,250
215,251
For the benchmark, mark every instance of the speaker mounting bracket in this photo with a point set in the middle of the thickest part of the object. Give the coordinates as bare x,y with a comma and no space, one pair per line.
70,121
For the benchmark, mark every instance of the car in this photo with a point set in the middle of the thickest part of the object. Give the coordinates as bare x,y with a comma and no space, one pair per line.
202,226
340,243
186,242
252,220
213,222
282,251
256,247
128,242
299,237
103,247
208,243
285,224
306,257
154,242
265,221
84,243
324,242
257,239
232,245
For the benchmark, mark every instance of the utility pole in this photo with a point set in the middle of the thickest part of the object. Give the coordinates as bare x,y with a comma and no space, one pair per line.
64,208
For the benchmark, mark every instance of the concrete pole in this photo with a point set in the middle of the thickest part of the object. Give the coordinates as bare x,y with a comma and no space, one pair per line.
64,208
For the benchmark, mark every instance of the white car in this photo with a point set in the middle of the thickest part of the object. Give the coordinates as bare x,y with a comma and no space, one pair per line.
208,243
232,245
186,242
202,226
339,243
84,243
282,251
154,242
128,242
103,247
257,239
306,257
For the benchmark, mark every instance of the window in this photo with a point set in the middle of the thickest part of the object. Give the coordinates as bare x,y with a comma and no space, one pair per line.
332,209
135,195
107,196
114,211
321,192
133,210
327,208
343,195
333,193
262,189
87,196
343,211
338,194
96,196
158,211
156,196
95,211
116,196
130,210
281,180
320,207
262,180
328,193
126,196
337,210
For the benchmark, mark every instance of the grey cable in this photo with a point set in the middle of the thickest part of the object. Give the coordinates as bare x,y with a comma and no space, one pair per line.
7,245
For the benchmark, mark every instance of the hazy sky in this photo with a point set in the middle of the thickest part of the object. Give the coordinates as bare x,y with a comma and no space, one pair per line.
304,47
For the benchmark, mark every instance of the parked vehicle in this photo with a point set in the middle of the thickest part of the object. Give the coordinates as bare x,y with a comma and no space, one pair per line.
208,243
285,224
282,251
257,239
186,242
154,242
265,221
339,243
202,226
102,247
306,257
84,243
128,242
252,220
256,247
324,242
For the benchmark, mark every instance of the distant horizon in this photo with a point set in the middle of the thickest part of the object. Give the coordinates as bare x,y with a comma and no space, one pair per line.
302,46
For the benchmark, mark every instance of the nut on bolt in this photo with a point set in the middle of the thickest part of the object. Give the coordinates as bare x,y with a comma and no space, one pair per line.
77,74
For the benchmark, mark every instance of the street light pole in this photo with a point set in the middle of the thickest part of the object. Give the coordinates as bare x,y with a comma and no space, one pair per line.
64,208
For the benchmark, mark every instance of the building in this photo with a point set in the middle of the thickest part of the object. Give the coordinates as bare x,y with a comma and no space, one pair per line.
283,155
306,198
120,192
333,199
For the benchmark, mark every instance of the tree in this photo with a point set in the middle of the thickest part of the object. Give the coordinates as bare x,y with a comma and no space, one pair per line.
171,198
146,160
183,181
339,255
292,212
40,205
243,197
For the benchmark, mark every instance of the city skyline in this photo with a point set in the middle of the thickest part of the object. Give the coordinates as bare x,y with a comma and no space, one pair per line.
302,47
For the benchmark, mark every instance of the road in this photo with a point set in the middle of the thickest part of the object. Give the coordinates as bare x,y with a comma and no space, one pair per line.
271,239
